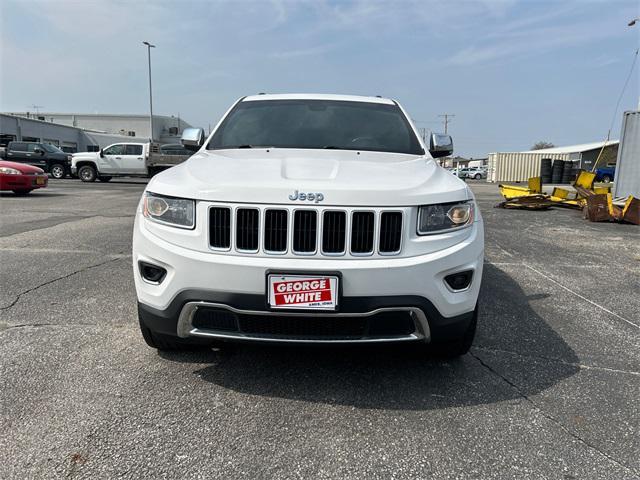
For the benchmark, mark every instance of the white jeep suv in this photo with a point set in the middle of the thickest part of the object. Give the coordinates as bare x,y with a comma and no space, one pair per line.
309,218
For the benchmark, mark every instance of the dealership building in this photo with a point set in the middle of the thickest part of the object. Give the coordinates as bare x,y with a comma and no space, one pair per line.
81,132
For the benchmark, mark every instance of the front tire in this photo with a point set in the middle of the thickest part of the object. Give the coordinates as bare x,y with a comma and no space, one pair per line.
104,179
21,193
458,347
478,176
87,173
606,179
57,171
165,342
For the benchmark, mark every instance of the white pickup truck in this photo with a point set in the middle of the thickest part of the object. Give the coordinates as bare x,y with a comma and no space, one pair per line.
309,218
124,160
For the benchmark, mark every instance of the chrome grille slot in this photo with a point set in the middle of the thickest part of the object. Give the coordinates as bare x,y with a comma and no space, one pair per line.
220,227
333,232
362,229
305,231
390,232
275,231
247,220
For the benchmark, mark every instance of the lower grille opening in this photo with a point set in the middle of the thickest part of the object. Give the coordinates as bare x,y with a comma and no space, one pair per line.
215,319
327,327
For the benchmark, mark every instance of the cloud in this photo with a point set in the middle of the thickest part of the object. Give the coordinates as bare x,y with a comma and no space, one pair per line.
302,52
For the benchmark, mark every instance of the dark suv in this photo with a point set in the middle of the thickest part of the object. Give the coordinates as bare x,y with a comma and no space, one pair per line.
44,155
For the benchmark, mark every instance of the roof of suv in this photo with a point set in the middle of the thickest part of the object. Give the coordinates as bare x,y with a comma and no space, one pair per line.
317,96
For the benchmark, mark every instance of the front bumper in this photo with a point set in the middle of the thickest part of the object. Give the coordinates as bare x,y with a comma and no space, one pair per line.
23,182
371,288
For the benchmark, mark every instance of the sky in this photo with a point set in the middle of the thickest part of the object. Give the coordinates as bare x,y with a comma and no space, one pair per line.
513,72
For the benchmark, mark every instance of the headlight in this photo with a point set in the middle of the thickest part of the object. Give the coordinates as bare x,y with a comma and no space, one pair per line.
444,217
177,212
69,158
10,171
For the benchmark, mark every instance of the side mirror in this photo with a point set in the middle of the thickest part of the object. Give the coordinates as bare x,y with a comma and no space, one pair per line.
192,138
38,150
441,145
102,153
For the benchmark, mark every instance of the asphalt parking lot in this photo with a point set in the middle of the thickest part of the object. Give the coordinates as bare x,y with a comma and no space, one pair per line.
549,390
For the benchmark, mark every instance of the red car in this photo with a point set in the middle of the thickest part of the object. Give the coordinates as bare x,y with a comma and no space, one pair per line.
21,178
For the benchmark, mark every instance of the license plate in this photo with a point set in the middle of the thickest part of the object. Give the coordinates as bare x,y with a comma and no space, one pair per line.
40,180
303,292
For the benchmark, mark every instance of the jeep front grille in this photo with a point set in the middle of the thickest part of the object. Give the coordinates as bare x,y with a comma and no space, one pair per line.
294,231
334,232
305,231
362,233
220,227
247,220
390,232
275,231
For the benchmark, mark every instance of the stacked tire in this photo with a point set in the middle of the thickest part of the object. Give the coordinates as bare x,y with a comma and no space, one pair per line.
569,172
557,170
545,170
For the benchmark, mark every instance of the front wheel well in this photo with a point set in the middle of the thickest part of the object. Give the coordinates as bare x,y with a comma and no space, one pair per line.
81,164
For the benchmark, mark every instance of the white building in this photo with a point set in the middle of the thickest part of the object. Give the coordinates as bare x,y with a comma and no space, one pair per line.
165,129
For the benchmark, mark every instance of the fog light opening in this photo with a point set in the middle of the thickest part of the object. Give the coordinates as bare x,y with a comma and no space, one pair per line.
152,273
460,280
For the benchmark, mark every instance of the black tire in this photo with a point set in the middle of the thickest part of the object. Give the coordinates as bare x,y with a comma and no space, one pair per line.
22,193
458,347
87,173
606,179
165,342
104,179
57,171
477,176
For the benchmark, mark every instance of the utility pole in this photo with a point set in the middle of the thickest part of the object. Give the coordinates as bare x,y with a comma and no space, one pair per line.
149,47
37,109
446,120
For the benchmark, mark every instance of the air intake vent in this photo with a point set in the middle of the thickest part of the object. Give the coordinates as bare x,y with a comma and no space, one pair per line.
247,229
220,227
333,232
304,231
390,232
275,231
362,233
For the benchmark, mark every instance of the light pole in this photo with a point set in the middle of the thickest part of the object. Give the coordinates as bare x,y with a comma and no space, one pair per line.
631,24
149,47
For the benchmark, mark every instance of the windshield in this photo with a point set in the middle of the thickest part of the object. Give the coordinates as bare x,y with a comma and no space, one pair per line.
317,124
51,148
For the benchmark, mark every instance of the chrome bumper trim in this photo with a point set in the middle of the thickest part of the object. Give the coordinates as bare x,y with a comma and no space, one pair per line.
186,329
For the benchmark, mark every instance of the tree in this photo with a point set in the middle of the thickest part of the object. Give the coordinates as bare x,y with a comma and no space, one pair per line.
542,144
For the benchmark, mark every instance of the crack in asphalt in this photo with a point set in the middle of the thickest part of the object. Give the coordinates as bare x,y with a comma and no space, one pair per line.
557,360
550,417
49,282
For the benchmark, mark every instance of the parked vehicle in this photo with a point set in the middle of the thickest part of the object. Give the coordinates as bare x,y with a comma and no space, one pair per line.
476,173
123,159
605,174
309,218
43,155
174,149
21,178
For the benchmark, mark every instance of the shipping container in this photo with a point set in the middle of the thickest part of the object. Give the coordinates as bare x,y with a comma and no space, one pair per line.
520,166
627,176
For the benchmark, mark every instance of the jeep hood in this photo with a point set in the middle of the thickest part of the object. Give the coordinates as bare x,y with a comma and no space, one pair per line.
347,178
